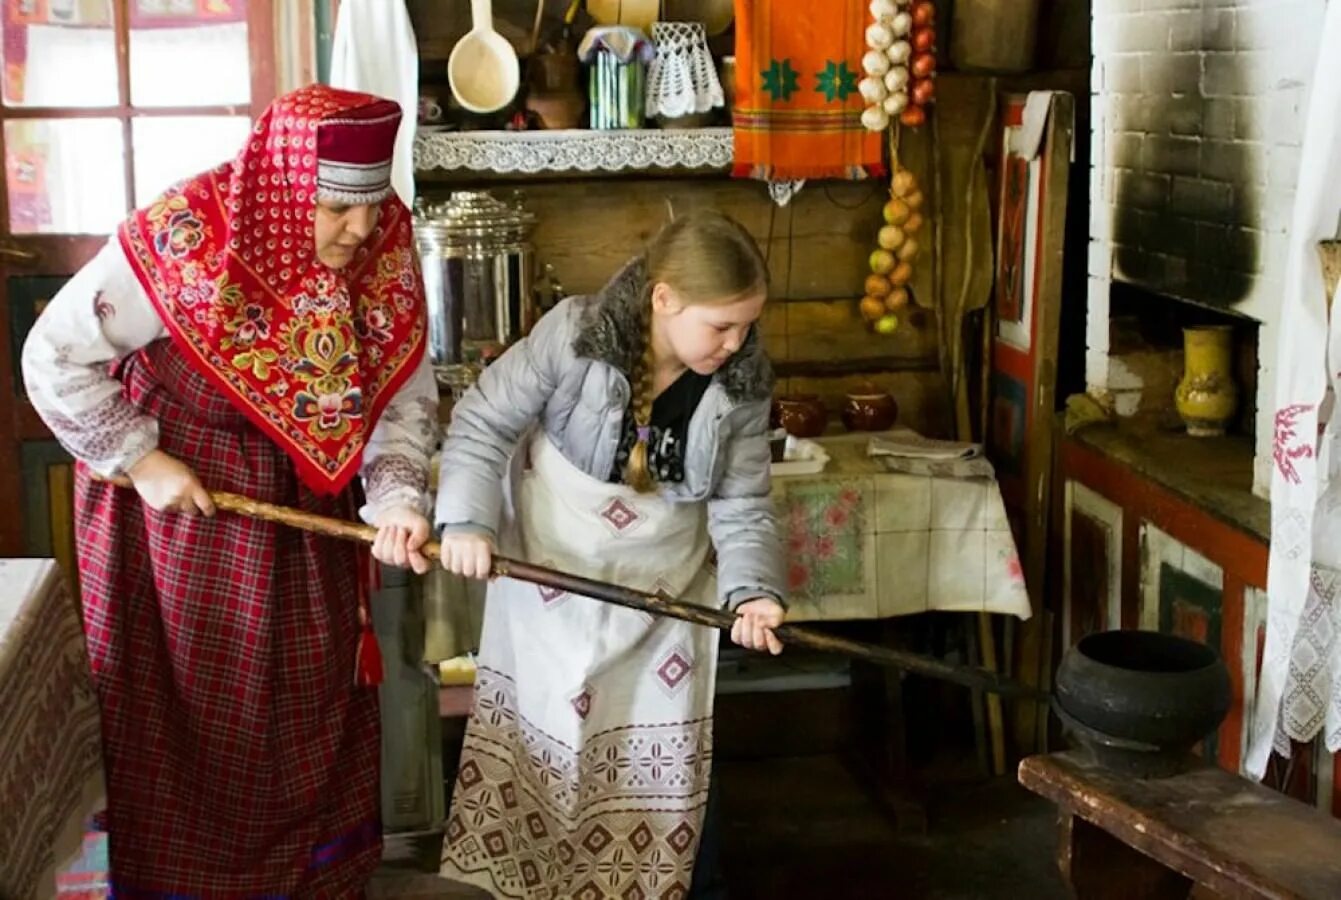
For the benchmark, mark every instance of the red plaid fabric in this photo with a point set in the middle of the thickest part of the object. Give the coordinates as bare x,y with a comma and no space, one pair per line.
241,758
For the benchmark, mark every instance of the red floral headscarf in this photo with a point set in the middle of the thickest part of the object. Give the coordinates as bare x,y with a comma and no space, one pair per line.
310,354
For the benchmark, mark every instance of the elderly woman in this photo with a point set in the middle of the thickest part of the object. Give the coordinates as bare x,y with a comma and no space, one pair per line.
259,328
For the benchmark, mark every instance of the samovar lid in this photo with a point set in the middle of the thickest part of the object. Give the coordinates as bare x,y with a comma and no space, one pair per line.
473,214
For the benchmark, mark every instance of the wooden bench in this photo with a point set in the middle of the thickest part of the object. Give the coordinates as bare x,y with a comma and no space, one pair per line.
1126,838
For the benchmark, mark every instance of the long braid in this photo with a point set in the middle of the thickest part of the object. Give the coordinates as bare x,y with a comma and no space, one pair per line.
637,472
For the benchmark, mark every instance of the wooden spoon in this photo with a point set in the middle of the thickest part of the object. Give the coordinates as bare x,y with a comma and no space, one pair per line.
483,68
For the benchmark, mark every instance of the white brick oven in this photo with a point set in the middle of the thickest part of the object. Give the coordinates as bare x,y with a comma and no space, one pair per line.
1197,124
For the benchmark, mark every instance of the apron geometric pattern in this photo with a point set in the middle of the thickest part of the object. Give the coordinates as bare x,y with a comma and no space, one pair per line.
585,767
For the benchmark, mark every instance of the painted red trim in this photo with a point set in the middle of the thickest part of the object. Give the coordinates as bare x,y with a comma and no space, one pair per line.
1238,552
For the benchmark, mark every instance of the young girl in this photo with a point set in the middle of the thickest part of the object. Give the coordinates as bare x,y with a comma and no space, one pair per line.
643,413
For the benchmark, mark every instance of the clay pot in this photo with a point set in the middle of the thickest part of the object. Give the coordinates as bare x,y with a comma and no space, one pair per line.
802,415
870,411
1207,396
1140,700
556,111
555,95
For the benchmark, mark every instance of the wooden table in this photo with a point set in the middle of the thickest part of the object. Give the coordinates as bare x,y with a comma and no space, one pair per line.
1127,838
865,542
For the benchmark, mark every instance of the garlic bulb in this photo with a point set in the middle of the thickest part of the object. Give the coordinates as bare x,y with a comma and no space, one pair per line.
878,36
875,119
872,90
896,103
896,79
883,10
898,52
875,63
901,24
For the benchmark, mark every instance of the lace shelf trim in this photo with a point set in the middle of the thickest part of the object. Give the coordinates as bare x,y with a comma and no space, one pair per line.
578,150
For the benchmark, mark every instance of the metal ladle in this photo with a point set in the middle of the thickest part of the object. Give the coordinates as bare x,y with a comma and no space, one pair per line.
483,70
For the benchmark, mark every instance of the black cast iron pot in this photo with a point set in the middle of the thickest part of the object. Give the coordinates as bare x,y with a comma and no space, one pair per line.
1140,700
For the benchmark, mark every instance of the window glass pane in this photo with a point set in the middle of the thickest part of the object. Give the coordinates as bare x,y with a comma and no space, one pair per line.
65,176
172,148
189,53
58,53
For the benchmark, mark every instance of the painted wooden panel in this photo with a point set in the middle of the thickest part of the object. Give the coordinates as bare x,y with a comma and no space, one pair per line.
1092,565
48,505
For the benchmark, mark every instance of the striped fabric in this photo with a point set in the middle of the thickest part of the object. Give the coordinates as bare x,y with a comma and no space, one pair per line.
242,760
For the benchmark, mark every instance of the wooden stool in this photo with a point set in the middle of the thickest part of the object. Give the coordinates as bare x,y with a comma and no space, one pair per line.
1124,838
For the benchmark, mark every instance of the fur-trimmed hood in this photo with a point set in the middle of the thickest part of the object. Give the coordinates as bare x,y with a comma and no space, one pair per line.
611,326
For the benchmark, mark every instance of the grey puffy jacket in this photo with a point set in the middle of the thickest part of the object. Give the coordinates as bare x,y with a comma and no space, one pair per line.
568,375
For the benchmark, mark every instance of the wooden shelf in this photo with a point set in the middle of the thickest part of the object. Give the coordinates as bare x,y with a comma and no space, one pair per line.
573,151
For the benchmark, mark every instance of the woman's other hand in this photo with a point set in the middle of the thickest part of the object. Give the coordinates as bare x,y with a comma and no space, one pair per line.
401,533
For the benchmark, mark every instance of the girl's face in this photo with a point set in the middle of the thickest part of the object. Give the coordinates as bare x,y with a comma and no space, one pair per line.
701,336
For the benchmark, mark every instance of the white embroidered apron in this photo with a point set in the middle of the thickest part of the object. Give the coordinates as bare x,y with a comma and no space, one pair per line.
584,772
1298,693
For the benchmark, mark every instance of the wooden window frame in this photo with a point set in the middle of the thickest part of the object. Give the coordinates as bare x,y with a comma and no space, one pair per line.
63,254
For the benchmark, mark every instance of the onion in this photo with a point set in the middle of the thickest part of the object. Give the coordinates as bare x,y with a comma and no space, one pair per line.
890,237
875,119
875,63
872,90
883,10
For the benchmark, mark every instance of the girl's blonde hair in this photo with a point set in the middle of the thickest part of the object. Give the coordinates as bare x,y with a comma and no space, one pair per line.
704,257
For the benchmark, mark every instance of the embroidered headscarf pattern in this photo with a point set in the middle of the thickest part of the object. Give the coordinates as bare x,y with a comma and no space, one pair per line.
308,353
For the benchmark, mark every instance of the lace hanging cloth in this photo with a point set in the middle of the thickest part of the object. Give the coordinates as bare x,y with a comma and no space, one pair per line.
682,79
1298,692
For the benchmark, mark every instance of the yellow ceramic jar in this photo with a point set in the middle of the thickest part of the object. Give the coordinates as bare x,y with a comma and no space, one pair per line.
1207,396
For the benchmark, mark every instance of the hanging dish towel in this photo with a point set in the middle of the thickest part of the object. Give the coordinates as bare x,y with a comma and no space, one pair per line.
1299,687
374,51
798,110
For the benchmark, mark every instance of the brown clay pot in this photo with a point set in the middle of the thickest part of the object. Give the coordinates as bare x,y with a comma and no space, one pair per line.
555,95
803,415
870,411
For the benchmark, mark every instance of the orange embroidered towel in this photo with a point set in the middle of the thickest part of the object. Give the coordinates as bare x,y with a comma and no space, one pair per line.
798,110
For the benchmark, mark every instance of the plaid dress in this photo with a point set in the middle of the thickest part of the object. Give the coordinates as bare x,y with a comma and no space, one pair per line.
242,760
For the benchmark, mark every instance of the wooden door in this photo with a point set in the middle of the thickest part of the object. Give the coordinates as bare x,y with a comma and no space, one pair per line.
103,104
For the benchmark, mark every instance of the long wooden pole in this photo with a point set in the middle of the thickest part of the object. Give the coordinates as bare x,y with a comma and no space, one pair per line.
657,604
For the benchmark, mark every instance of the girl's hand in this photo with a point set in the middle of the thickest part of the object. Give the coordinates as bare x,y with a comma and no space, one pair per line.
471,555
755,621
400,533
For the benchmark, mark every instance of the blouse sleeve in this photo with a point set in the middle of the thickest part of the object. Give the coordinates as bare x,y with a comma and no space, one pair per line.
101,315
396,458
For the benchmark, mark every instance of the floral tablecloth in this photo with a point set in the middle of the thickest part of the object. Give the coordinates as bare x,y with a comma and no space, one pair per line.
864,542
50,750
